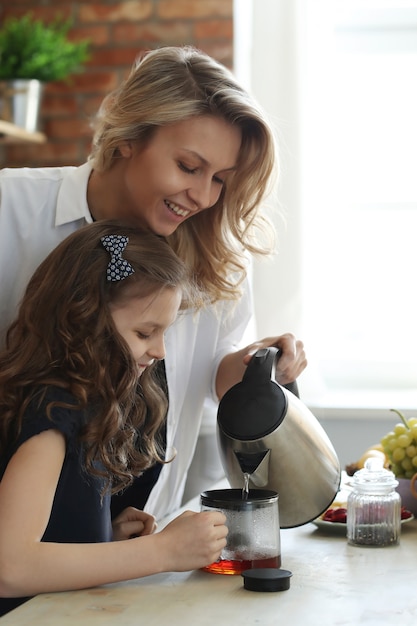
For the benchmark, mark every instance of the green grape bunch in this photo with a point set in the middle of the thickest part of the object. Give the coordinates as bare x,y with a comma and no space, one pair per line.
400,446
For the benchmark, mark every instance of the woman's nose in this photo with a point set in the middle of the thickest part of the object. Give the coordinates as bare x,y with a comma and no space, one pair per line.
204,194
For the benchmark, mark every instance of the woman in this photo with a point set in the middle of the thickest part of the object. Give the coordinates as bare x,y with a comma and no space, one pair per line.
183,149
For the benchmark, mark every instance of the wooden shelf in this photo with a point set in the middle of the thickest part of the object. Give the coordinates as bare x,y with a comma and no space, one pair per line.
10,133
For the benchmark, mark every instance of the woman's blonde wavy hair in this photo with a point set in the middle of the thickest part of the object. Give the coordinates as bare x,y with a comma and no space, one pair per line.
172,84
64,336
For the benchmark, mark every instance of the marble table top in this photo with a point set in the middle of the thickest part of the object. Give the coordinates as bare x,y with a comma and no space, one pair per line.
333,584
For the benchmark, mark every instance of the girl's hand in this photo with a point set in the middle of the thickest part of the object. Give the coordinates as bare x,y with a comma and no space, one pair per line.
192,540
132,523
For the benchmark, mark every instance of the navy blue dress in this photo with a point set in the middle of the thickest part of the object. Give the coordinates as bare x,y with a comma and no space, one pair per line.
79,513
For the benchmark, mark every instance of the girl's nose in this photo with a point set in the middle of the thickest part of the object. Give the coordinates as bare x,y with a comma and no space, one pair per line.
157,348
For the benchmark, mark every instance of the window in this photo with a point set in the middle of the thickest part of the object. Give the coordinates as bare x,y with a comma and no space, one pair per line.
360,199
348,112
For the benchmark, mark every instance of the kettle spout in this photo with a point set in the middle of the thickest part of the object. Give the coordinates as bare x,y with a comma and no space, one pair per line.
255,465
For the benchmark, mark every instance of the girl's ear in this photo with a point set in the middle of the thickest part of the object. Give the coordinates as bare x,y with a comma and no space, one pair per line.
125,149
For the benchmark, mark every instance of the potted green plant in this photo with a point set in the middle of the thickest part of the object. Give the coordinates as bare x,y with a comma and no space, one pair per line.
33,53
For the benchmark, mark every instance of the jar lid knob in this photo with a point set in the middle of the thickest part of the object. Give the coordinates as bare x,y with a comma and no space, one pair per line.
374,464
374,476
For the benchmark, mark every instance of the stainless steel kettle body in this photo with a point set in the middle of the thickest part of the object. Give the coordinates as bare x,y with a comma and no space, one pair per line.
266,433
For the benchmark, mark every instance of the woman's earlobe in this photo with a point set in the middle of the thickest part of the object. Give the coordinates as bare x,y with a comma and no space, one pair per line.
125,149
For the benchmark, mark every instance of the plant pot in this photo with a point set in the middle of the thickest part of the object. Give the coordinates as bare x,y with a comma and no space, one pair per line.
20,102
407,490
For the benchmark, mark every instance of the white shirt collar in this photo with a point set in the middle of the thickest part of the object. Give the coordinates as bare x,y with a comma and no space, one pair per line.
72,197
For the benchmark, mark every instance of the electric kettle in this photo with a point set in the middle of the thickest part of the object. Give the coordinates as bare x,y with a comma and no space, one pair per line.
268,439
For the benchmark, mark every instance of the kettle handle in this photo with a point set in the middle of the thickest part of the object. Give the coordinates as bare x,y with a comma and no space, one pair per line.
262,367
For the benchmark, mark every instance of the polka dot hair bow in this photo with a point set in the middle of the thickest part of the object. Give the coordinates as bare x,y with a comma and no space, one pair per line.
118,268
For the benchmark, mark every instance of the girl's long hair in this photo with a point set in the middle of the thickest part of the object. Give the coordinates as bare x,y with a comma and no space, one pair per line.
64,337
172,84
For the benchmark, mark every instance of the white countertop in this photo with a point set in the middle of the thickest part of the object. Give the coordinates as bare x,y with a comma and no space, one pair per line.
333,584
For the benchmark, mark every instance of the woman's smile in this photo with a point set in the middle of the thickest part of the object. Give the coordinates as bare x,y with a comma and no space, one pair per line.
176,209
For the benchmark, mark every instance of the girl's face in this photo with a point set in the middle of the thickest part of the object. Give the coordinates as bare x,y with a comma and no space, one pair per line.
142,323
180,172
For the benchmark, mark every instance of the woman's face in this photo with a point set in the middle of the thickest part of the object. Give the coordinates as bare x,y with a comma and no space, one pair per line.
142,322
180,172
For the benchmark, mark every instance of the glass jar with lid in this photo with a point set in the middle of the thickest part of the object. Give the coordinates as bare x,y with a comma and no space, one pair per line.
374,507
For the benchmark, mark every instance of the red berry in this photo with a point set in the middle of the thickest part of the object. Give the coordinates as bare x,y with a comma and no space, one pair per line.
405,514
337,515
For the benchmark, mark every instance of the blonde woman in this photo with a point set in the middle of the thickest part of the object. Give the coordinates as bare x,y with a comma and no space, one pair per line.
182,149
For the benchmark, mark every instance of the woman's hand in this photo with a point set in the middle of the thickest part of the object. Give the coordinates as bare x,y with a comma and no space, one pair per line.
132,522
292,360
289,366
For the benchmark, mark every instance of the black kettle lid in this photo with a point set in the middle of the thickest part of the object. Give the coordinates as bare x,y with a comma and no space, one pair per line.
257,405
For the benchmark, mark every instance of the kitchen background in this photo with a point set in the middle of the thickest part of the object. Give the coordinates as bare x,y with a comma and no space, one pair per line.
119,31
340,278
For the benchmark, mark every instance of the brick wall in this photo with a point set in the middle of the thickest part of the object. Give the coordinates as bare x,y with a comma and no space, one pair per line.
118,30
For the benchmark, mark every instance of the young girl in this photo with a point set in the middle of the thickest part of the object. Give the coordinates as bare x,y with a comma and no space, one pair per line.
80,411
